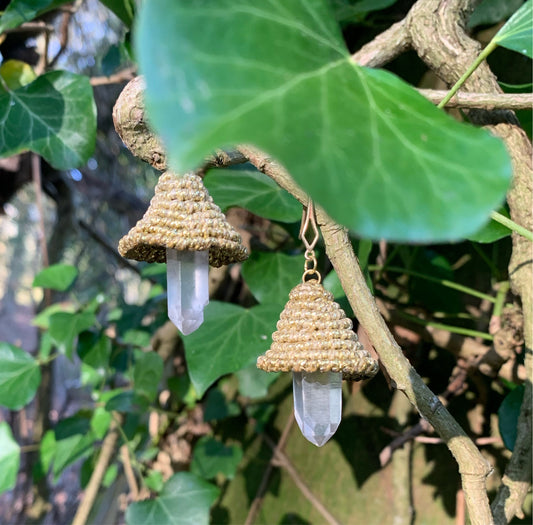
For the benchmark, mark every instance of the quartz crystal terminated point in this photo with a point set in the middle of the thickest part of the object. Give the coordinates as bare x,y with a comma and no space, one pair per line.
317,404
187,288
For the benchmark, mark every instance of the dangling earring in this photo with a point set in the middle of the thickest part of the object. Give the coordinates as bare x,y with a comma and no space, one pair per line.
315,341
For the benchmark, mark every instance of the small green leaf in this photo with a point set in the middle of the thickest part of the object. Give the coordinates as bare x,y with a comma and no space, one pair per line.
94,349
47,450
57,277
184,500
211,457
124,9
100,422
9,458
19,11
154,480
492,231
231,338
15,74
147,373
517,33
508,416
272,275
42,319
254,383
63,130
128,402
250,189
366,146
20,376
64,328
183,389
217,406
74,440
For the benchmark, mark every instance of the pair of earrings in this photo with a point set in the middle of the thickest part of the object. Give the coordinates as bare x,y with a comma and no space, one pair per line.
314,339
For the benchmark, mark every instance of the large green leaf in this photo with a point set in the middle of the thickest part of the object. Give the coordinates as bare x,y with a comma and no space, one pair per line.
231,338
9,458
56,277
356,10
254,383
65,327
378,156
211,457
271,276
517,33
251,189
184,500
54,116
20,376
19,11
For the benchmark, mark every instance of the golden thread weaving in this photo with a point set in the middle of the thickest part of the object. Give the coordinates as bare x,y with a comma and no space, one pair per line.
182,216
313,333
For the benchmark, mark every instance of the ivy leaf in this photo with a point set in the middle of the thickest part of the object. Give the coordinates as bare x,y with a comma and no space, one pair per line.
54,116
184,500
492,231
9,458
254,383
16,73
492,11
147,373
271,276
508,414
254,191
517,33
74,440
356,10
56,277
231,338
211,457
378,156
19,11
65,327
20,376
94,349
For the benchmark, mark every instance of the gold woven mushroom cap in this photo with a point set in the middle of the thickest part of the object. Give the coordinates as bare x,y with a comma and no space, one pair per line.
182,216
314,335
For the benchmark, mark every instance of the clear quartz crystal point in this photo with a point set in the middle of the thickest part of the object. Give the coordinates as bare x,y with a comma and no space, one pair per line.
187,288
317,404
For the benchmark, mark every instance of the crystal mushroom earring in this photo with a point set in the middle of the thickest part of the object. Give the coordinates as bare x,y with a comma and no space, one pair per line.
186,229
315,341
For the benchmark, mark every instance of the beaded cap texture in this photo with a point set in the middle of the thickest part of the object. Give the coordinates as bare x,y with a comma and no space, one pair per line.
314,335
182,216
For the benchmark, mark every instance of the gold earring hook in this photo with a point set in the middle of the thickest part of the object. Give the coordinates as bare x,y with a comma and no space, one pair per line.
309,220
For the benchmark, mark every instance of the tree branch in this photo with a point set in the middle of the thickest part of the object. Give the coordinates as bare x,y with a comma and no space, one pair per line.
481,100
473,467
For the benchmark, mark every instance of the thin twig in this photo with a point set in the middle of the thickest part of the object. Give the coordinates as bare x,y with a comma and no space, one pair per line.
461,99
128,472
258,500
281,460
108,448
122,76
